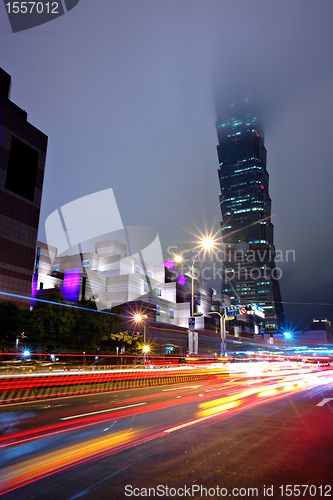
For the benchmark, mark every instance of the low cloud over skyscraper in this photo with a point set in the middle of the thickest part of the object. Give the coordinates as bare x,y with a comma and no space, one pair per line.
250,275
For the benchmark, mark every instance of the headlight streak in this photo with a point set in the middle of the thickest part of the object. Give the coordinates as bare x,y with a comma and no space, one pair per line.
66,426
51,461
264,394
245,398
101,411
62,385
30,470
220,408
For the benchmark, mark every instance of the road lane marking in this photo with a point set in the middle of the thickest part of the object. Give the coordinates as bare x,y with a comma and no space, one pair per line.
101,411
272,413
231,381
324,401
179,388
172,429
93,486
218,389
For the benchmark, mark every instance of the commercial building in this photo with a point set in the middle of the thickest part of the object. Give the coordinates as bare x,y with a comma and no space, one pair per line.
250,275
22,162
113,278
161,293
319,324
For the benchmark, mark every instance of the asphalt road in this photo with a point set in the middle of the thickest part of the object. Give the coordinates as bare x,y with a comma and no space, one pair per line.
254,434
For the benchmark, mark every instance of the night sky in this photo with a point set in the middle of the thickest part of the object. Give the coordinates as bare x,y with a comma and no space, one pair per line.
126,92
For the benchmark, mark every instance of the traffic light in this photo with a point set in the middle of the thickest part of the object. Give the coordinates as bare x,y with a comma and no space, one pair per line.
133,333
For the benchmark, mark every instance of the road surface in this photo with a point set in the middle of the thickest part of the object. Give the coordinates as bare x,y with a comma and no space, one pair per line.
259,432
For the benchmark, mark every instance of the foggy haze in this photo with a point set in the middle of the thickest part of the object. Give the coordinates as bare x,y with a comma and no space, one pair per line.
126,92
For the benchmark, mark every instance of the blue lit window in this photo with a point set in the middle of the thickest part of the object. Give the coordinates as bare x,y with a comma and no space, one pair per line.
56,268
145,287
136,269
171,313
158,310
159,292
85,263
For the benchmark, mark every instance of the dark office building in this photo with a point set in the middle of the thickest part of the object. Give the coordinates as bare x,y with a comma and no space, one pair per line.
22,162
249,268
323,324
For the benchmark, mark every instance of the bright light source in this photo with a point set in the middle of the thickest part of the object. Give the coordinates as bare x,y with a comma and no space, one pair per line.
178,259
208,243
138,317
146,348
26,353
287,335
264,394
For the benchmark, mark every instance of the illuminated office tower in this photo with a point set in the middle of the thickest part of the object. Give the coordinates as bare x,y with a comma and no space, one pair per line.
249,275
22,162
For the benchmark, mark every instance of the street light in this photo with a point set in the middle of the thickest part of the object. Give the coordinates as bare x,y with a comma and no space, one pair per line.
178,259
222,329
138,319
206,243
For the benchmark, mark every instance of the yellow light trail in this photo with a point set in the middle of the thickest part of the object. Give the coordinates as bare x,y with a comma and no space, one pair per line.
34,468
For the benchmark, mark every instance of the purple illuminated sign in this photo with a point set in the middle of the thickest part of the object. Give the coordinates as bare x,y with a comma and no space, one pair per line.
181,280
170,264
72,282
34,288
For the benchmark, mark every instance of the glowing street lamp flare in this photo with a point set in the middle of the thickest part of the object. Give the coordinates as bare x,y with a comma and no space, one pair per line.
208,243
138,318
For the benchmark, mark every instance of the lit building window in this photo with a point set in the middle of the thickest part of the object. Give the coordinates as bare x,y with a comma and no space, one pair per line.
86,263
136,269
145,287
158,310
159,292
171,313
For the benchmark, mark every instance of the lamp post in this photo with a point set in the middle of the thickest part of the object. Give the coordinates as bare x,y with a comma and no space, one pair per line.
206,243
192,292
222,330
138,319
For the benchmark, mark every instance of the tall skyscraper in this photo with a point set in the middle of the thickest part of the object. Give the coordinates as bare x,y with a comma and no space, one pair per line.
22,162
249,275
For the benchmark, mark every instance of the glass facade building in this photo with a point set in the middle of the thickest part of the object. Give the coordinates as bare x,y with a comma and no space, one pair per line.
249,274
22,161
